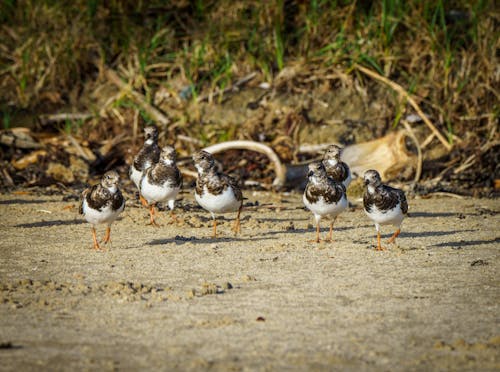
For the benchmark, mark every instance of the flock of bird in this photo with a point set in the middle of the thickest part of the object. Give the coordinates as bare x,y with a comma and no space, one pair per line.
155,173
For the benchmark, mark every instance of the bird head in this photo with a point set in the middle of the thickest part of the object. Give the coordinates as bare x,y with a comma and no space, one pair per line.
203,161
372,178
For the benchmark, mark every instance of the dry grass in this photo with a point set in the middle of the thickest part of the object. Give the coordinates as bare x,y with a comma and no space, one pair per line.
54,55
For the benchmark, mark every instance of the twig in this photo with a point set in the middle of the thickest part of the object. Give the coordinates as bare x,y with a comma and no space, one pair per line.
45,119
428,140
279,168
184,138
418,171
153,112
7,177
77,146
442,193
398,88
316,148
242,81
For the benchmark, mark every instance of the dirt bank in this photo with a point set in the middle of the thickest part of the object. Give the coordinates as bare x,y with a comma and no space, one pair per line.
173,298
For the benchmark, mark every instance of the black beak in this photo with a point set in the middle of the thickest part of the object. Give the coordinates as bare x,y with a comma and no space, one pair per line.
367,182
309,174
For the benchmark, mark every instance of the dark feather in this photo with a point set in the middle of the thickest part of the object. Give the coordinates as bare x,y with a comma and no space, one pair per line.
217,183
385,198
331,191
339,172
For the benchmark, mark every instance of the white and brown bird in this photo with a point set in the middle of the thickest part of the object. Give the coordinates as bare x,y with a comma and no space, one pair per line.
215,191
383,204
146,157
336,168
102,204
324,197
161,182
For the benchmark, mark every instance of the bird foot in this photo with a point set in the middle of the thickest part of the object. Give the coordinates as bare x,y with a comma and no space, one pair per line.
154,224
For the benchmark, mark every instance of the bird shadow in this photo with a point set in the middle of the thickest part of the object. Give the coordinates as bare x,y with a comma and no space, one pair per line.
311,230
50,223
462,243
23,201
273,219
422,234
179,240
431,214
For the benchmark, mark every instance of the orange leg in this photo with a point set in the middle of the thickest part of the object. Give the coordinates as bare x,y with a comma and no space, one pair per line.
317,240
214,235
107,237
173,217
379,246
143,201
394,236
237,224
329,238
152,212
94,237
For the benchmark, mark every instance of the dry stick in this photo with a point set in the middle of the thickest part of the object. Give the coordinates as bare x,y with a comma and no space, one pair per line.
279,168
153,112
77,146
64,116
418,171
398,88
242,81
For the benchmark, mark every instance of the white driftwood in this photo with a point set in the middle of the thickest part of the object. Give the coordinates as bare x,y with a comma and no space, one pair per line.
279,168
383,154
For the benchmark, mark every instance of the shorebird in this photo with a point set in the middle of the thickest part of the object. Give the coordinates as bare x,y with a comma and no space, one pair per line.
146,157
215,191
336,168
102,203
383,204
323,197
161,182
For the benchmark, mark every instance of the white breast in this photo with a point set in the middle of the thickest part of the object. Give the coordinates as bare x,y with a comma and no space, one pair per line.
135,175
106,215
322,209
222,203
391,217
158,193
348,180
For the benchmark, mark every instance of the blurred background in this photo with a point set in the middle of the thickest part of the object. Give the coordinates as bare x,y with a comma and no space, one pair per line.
80,79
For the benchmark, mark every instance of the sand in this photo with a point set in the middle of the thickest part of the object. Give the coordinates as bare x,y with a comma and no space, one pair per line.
172,298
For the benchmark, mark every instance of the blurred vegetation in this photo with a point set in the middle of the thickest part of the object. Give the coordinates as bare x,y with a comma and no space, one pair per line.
55,54
446,52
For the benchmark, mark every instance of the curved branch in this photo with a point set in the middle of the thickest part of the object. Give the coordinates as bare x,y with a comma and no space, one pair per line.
279,168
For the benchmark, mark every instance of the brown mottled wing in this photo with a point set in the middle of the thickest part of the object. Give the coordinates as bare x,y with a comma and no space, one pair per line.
147,156
339,172
403,201
161,173
384,198
98,197
331,192
228,180
118,201
82,197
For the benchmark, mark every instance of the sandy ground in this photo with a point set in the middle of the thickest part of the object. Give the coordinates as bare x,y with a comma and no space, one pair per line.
172,298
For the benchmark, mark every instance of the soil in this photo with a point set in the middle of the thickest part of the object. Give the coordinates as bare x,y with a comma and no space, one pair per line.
172,298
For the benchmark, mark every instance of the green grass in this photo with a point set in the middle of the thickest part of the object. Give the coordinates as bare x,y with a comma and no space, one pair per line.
49,47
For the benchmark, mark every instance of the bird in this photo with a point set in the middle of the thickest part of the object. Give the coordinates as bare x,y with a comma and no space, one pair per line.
324,197
336,168
383,204
161,182
102,203
146,157
215,191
